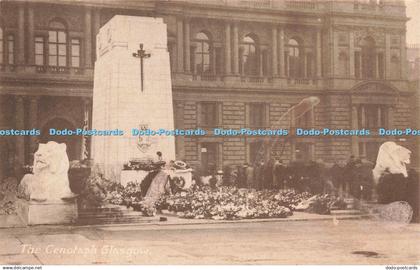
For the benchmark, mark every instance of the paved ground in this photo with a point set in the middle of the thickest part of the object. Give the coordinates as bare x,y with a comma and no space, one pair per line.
294,242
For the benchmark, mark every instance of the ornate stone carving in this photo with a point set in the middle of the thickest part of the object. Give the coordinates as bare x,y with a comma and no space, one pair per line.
49,181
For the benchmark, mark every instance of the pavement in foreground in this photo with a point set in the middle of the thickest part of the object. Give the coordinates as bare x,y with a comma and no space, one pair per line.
295,242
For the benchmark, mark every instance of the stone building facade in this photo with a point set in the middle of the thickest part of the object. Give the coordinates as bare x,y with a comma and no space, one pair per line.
235,64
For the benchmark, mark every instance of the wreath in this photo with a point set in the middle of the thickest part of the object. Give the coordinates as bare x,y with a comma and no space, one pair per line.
178,183
178,164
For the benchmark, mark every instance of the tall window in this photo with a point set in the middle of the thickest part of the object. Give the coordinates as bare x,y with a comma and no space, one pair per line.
219,61
249,61
395,67
75,53
357,68
202,53
256,115
57,45
209,114
381,65
11,49
373,116
1,46
294,59
342,64
39,51
309,65
368,58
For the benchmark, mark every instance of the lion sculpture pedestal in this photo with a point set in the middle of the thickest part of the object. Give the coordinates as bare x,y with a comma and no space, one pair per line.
45,195
37,213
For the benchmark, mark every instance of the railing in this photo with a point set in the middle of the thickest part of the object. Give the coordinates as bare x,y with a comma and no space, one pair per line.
255,3
253,79
308,5
301,4
367,7
206,77
300,81
31,69
60,70
413,46
7,67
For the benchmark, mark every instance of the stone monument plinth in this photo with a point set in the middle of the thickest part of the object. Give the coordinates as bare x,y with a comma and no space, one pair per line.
48,212
132,90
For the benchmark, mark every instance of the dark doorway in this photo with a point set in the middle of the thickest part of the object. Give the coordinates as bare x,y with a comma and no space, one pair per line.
209,156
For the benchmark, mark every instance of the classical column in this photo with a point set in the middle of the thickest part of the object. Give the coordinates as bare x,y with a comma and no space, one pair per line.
31,39
274,49
281,52
88,37
3,145
213,60
387,56
403,57
33,122
354,126
179,124
260,63
351,55
390,117
96,26
334,52
318,54
377,66
21,35
187,47
193,64
363,116
305,65
359,63
20,124
235,49
180,45
228,63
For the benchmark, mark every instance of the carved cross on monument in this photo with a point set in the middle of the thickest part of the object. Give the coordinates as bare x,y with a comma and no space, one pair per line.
141,54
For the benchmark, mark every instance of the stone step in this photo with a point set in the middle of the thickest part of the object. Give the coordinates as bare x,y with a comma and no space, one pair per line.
101,221
345,212
131,218
110,214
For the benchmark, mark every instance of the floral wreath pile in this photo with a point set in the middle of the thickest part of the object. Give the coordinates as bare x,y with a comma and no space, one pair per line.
219,203
8,190
204,202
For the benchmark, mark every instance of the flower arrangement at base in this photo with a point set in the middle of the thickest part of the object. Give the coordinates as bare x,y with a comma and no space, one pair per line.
319,204
131,194
8,193
144,207
204,202
8,208
97,191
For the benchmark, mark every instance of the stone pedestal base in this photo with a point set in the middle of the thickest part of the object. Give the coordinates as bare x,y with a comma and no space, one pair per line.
37,213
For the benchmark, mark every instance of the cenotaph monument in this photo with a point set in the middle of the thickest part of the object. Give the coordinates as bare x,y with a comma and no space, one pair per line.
132,90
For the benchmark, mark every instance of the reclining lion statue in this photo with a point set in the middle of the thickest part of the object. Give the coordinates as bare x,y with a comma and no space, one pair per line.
49,181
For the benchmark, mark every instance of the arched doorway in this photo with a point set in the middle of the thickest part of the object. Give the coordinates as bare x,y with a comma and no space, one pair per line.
72,142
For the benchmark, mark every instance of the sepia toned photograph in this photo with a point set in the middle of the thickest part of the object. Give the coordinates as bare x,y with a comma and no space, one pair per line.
209,132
